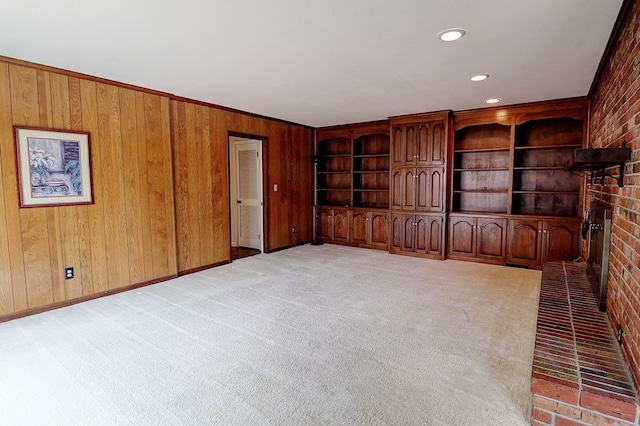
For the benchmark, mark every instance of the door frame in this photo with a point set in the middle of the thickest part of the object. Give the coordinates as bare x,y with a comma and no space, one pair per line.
265,185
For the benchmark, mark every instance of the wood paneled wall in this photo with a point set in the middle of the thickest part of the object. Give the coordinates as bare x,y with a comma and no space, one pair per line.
160,183
201,171
127,236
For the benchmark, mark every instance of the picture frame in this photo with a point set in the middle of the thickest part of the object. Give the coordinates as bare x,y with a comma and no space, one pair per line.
53,167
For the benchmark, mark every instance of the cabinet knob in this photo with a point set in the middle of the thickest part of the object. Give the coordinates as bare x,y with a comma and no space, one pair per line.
539,231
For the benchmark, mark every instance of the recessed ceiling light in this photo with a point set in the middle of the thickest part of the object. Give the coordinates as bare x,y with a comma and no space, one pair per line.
479,77
492,100
451,34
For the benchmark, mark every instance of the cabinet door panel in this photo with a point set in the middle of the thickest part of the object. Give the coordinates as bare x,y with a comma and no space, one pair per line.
462,236
408,240
396,188
524,241
340,225
431,144
325,221
491,236
422,189
397,142
429,234
560,240
378,224
397,231
410,144
359,231
408,188
437,189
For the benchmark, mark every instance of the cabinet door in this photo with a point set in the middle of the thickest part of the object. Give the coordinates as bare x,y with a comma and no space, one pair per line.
525,241
491,238
340,225
359,227
560,240
431,143
462,236
402,232
408,188
325,225
429,235
396,186
397,227
430,188
379,230
403,141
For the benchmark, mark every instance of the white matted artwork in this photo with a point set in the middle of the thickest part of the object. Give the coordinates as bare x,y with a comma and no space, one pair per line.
53,167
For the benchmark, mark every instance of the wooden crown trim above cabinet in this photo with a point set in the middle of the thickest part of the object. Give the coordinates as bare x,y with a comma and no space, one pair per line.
426,116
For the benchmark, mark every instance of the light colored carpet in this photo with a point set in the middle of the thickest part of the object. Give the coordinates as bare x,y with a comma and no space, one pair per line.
314,335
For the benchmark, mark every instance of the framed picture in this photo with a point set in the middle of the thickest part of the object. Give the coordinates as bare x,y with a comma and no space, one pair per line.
53,167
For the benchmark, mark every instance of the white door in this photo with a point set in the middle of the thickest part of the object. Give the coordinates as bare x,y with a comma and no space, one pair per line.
249,173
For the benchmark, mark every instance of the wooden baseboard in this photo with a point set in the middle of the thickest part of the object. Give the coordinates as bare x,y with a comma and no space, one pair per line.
57,305
202,268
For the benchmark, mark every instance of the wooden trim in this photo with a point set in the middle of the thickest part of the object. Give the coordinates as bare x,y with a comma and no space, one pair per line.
39,310
288,247
202,268
621,21
423,116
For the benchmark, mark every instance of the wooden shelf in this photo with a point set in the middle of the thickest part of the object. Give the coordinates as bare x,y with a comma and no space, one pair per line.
334,156
483,169
462,151
371,156
382,172
539,168
345,172
480,191
548,192
522,147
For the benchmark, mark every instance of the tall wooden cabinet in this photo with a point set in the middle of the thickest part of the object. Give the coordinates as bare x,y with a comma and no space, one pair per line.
353,184
418,183
508,174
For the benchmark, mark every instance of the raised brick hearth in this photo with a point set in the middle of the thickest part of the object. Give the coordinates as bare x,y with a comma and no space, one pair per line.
579,376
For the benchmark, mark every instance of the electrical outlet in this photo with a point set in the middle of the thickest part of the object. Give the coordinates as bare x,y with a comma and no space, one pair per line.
293,229
68,273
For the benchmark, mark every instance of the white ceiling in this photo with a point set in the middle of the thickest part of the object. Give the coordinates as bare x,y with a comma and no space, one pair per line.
321,62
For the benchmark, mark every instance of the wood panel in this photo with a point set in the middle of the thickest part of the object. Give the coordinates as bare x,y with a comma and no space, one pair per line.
33,221
8,274
109,242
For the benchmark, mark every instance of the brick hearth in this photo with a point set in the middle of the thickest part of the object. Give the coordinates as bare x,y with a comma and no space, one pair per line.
579,376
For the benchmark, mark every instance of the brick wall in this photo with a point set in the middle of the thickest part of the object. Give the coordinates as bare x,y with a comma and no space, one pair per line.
615,118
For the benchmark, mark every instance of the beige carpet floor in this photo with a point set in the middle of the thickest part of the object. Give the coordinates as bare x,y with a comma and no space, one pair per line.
313,335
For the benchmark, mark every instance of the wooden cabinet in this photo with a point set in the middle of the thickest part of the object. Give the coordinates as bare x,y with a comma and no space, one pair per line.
532,241
508,162
353,184
419,140
356,227
477,237
418,183
333,225
418,188
370,229
418,235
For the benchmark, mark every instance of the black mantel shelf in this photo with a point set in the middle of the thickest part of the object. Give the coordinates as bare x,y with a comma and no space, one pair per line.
589,161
